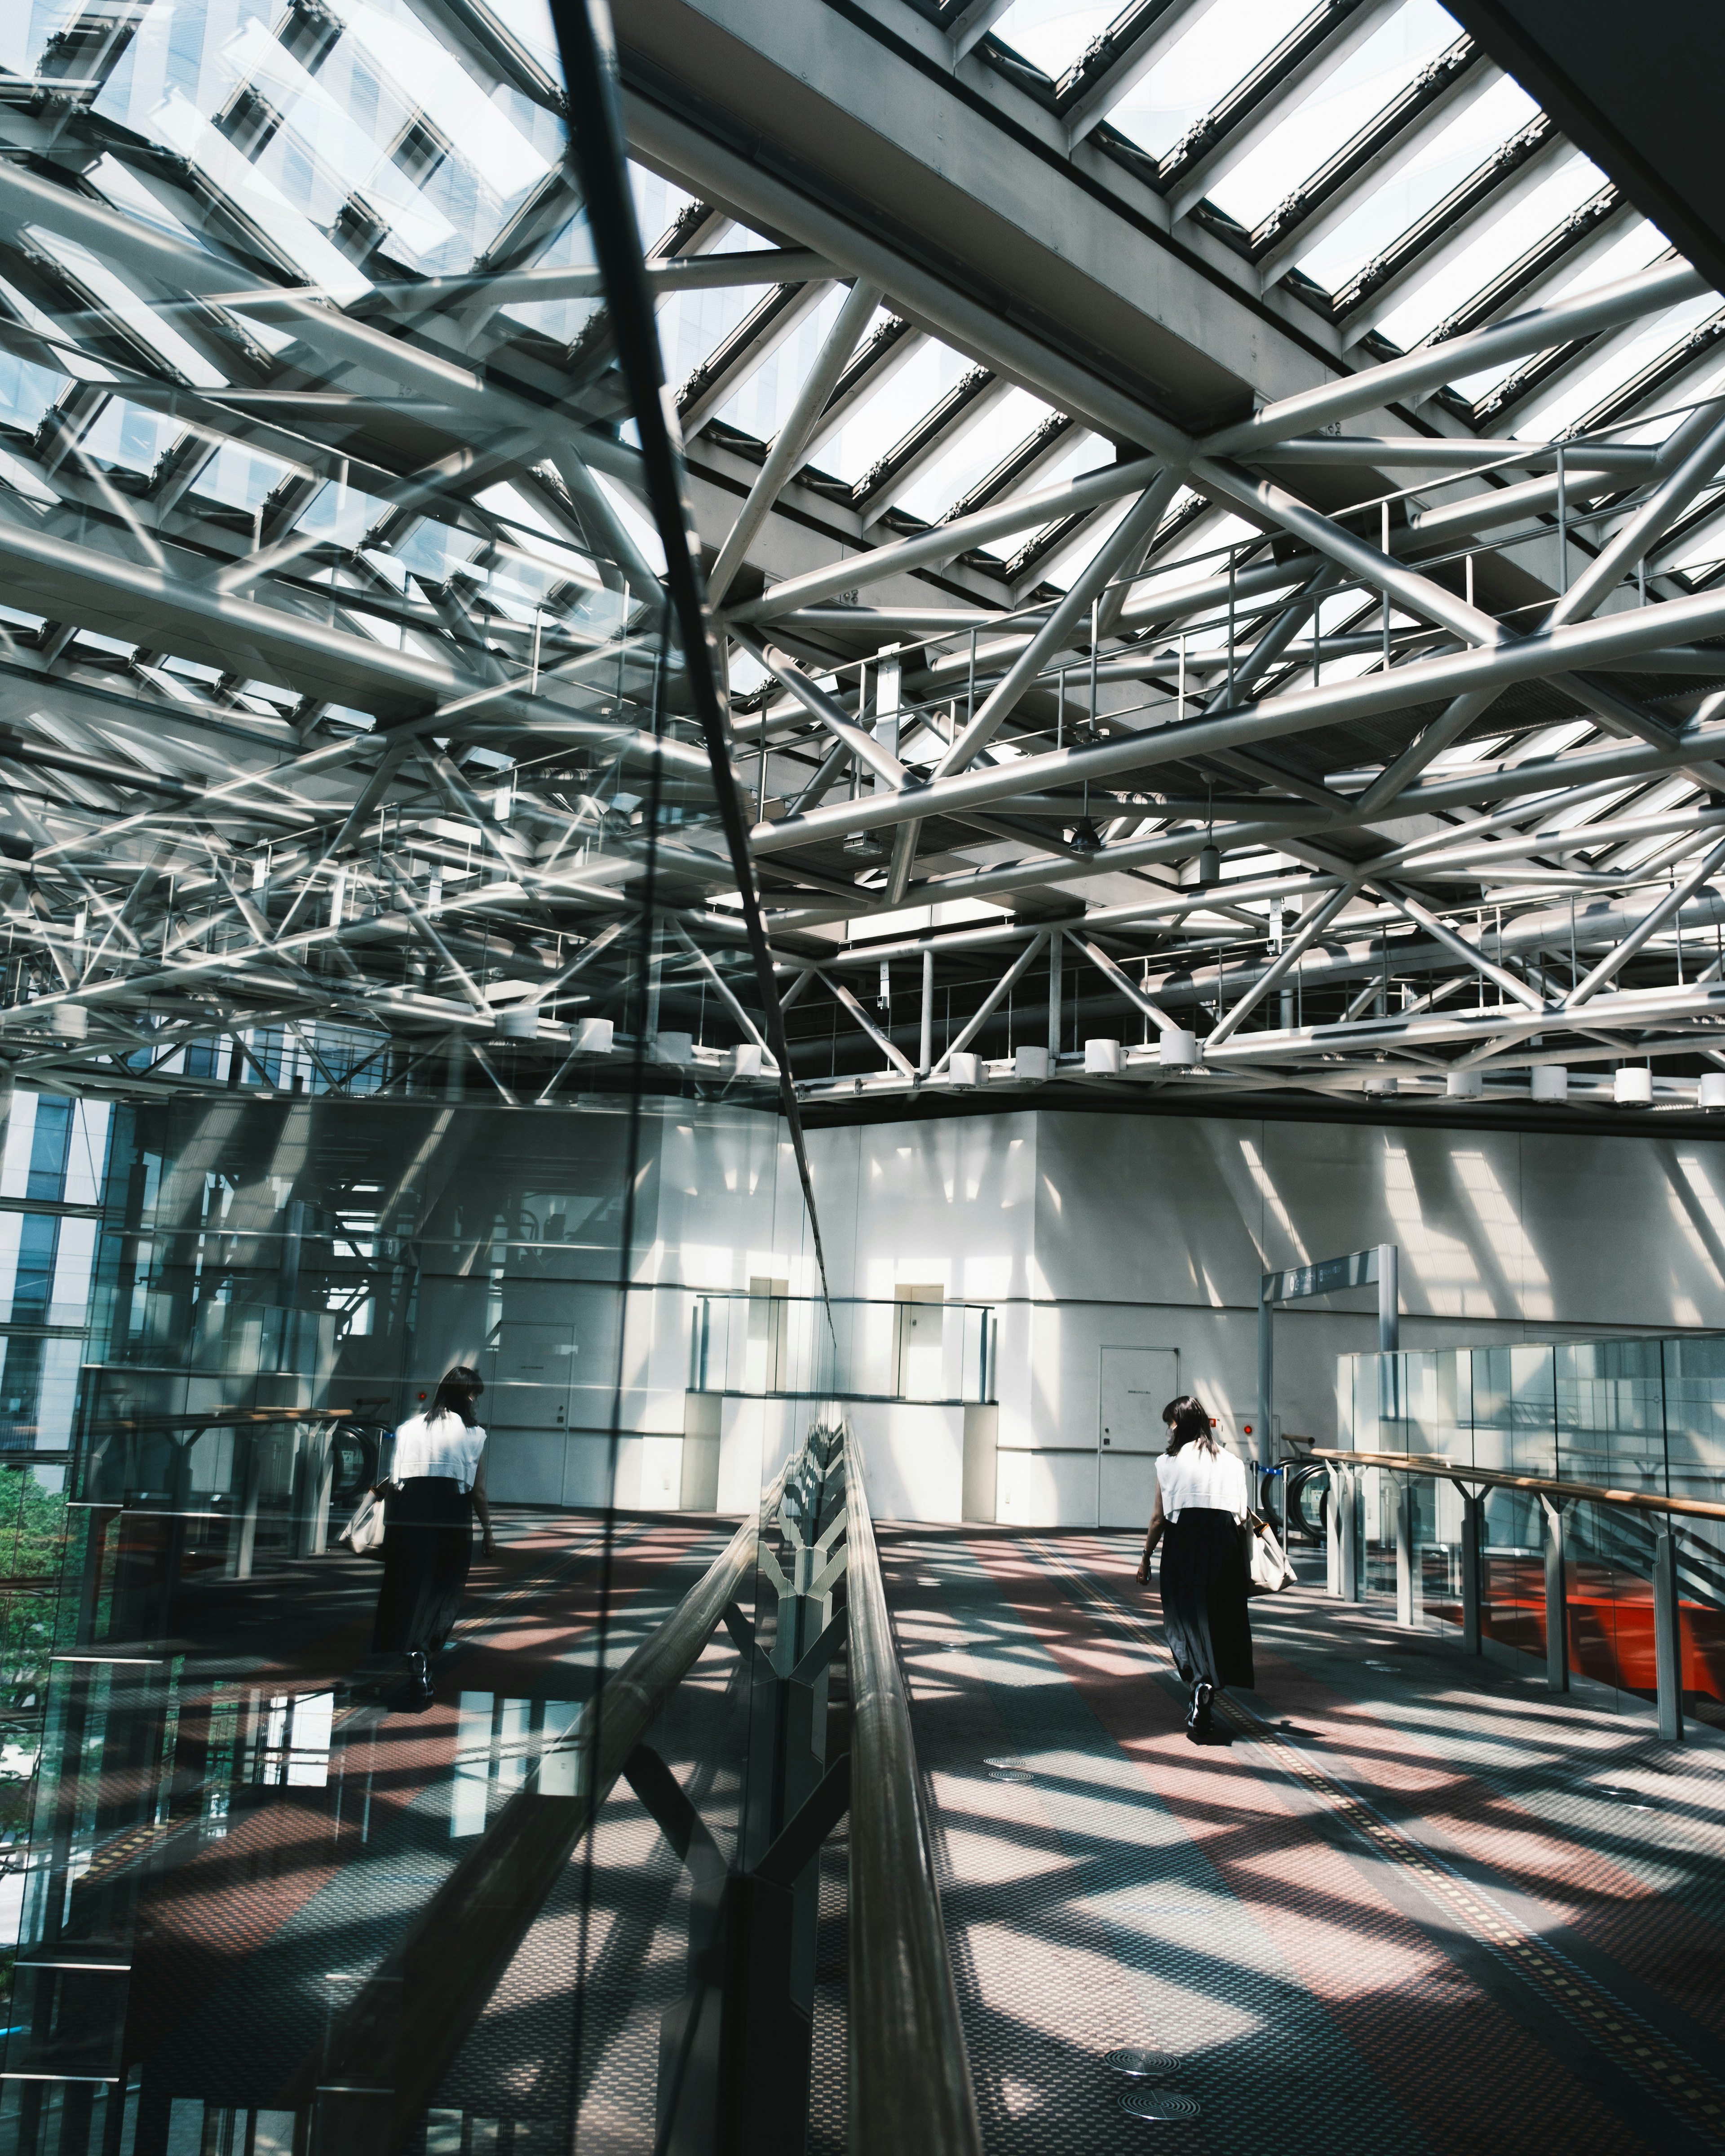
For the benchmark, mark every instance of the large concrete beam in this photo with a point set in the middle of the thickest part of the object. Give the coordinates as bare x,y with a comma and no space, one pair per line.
858,127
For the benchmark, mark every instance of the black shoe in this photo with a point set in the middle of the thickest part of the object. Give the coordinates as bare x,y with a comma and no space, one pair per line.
419,1674
1197,1715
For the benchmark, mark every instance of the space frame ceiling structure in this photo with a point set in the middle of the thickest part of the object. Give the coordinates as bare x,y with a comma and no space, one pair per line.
1215,546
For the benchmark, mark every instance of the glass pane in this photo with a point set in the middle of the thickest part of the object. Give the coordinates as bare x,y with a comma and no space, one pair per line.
1446,159
394,1093
1335,110
1193,76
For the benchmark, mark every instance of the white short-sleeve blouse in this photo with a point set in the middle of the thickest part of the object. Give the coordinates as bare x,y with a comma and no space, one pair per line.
446,1446
1197,1477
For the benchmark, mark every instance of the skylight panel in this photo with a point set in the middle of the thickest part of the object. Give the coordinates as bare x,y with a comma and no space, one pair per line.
1342,104
658,203
1503,238
530,21
84,365
882,420
127,435
563,319
127,306
973,453
1390,208
1051,34
693,323
425,71
126,192
1622,359
1636,246
26,391
1194,75
179,126
759,406
1079,453
241,478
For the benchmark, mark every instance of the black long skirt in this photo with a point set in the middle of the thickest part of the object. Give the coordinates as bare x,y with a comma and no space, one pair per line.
1204,1597
428,1545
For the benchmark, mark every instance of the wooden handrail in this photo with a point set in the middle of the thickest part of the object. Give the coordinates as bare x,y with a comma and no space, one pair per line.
1457,1471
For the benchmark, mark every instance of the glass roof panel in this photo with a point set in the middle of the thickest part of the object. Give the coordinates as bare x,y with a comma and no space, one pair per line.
1502,238
1636,245
1389,208
127,435
1337,110
1194,75
882,420
1052,33
1622,359
119,299
26,391
759,404
973,453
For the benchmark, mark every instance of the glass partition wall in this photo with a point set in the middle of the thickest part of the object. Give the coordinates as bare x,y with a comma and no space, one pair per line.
384,990
1644,1415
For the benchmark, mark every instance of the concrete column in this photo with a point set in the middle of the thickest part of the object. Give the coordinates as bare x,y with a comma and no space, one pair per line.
1556,1599
1667,1637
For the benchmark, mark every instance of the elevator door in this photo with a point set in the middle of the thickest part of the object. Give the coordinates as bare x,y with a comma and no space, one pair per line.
1137,1382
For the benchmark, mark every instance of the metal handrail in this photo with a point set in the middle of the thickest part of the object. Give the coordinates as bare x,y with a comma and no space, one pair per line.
1496,1478
909,2079
393,2044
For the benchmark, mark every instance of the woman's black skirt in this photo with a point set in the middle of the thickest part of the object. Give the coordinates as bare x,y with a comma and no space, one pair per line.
428,1544
1204,1597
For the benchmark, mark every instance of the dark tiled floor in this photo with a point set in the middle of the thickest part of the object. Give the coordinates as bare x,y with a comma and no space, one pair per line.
1417,1904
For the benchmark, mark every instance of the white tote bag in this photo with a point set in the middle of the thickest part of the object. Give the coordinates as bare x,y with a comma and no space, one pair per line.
363,1533
1270,1567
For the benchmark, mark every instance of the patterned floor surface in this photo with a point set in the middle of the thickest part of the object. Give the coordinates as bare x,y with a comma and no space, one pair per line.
1416,1904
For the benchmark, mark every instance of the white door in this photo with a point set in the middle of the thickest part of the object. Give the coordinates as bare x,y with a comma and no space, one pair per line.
1137,1382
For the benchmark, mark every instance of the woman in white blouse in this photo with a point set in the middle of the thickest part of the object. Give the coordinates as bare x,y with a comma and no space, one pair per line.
1200,1508
437,1482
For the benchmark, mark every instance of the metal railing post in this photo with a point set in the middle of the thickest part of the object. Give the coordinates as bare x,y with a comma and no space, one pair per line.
1667,1637
1337,1497
1557,1598
1472,1521
1350,1566
1402,1487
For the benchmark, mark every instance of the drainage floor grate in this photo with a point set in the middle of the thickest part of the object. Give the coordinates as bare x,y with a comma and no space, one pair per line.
1168,2104
1152,2066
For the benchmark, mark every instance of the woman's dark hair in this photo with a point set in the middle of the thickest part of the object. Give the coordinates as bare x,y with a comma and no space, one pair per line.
457,1393
1190,1425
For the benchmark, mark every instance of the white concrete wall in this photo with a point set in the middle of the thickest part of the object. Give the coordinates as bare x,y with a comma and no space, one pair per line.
1090,1231
1094,1231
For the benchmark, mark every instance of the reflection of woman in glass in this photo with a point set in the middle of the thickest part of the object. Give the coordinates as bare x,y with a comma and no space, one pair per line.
1200,1506
437,1483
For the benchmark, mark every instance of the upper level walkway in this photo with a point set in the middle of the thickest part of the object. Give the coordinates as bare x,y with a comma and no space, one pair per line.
1415,1904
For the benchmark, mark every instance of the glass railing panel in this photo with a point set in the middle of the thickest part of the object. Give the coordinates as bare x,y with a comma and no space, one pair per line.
1701,1609
503,1094
1694,1373
1515,1410
1513,1571
1611,1413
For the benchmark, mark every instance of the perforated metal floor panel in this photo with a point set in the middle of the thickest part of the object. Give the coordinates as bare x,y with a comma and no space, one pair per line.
1396,1912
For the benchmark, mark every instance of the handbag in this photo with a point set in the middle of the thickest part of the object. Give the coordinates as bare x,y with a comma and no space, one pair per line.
1268,1567
363,1533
